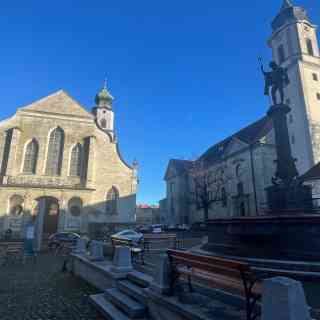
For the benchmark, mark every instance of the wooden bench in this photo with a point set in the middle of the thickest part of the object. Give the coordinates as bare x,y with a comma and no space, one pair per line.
228,275
148,239
135,250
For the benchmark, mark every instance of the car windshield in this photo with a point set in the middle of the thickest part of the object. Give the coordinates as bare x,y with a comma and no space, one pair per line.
128,233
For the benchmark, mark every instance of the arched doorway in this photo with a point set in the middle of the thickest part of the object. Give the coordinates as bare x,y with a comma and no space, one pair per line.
48,215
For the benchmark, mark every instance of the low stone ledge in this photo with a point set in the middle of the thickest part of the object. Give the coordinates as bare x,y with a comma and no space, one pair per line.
97,273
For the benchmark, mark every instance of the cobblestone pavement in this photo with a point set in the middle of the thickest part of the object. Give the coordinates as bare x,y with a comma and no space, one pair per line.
41,291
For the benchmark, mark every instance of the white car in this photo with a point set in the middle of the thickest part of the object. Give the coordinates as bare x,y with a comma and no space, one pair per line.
128,235
156,228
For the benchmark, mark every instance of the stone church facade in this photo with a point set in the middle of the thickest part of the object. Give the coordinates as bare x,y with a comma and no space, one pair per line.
248,155
62,164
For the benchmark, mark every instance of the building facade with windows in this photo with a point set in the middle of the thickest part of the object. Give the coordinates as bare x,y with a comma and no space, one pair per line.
248,156
246,161
62,164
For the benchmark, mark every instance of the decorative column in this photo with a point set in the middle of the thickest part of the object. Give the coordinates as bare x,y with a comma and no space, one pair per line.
286,167
287,192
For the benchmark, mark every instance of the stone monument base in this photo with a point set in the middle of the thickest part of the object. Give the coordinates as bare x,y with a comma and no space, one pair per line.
293,198
291,237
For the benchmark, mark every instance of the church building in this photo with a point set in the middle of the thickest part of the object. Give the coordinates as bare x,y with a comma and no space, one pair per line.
248,156
62,164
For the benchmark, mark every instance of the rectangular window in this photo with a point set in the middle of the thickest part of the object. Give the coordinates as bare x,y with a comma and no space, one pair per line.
290,118
315,76
318,96
281,54
309,47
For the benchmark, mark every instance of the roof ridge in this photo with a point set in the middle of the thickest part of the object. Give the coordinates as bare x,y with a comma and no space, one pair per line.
33,105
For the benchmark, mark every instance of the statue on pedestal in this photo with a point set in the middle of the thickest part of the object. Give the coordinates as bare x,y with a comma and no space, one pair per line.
276,79
287,191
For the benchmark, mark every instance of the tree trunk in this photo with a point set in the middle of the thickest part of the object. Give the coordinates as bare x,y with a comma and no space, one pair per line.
206,213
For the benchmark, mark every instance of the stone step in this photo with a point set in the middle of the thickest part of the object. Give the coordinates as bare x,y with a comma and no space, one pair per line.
139,278
130,307
132,290
106,308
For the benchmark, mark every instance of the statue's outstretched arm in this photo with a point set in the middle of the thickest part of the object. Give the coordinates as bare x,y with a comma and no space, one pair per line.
262,69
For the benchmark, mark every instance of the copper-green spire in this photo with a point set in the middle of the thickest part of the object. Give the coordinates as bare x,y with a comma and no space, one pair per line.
104,98
286,4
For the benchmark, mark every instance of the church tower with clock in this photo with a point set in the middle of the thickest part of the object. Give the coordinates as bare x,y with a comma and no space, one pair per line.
295,47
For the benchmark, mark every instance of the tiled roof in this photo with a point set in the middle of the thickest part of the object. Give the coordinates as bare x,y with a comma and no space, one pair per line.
249,135
147,206
312,174
181,165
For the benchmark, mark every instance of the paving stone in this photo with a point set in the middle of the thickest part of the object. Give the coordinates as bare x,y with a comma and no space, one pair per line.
43,292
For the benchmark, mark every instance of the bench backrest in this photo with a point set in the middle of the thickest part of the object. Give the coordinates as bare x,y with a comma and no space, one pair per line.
159,236
209,264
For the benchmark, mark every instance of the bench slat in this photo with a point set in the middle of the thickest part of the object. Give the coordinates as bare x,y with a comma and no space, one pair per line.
210,260
224,283
234,273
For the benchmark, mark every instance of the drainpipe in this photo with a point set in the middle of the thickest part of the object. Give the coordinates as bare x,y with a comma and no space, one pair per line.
253,178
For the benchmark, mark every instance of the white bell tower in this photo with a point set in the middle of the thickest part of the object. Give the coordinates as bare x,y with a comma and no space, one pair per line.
103,111
295,47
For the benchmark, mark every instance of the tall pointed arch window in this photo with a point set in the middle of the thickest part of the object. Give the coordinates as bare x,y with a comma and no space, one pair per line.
112,201
76,161
55,152
31,157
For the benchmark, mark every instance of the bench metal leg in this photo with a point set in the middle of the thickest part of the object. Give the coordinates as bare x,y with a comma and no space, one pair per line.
142,257
251,299
190,284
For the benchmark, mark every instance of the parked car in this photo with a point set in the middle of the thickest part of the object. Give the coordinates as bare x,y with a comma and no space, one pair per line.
199,226
183,227
128,235
142,229
59,238
156,228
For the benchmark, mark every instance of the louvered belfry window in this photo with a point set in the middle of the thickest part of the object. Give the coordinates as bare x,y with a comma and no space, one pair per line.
31,157
76,161
55,152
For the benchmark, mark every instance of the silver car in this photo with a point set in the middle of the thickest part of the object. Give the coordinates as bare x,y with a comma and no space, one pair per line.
130,235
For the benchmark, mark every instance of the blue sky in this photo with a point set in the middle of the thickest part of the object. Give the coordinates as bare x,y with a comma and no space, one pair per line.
184,73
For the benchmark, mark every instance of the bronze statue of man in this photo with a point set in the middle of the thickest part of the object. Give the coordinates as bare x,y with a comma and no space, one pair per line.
276,79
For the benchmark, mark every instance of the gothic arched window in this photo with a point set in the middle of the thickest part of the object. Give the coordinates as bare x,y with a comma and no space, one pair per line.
309,47
76,160
31,157
15,205
112,201
55,152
